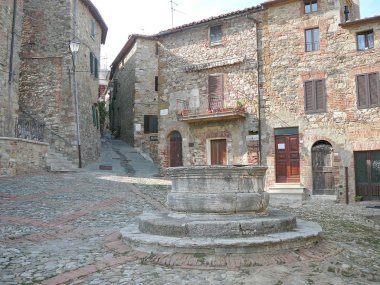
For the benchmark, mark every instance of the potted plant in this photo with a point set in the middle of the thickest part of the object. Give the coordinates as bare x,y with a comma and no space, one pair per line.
240,106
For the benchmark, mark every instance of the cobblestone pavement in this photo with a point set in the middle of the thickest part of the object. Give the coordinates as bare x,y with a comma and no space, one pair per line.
64,229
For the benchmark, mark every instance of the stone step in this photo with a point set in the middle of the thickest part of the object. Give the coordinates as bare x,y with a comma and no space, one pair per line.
57,162
291,191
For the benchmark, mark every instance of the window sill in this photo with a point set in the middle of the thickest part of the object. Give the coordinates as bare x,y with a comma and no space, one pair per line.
367,107
315,112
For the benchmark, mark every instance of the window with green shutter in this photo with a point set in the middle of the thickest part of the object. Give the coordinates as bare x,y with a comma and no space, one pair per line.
93,29
96,68
91,63
94,115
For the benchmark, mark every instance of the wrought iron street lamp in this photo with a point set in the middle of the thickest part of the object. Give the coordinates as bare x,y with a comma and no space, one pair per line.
74,47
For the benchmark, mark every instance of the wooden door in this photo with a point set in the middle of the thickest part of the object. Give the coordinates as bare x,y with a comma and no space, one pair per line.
287,159
367,174
322,158
218,152
175,149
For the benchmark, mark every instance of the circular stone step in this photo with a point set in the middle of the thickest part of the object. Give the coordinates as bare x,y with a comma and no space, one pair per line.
303,235
211,225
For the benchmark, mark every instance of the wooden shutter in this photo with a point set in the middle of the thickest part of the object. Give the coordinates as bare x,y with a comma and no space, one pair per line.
91,63
309,101
93,116
374,95
320,97
361,87
96,73
215,91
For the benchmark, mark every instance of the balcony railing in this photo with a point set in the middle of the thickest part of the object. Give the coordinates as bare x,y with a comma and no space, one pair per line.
217,114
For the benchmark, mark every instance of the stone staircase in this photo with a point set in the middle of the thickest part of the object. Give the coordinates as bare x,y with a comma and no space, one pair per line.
289,191
57,162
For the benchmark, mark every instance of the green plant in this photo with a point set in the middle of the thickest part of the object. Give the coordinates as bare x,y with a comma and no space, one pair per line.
240,103
359,198
200,257
102,113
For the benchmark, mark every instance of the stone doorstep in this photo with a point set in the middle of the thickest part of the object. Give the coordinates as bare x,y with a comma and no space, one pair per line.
291,191
305,235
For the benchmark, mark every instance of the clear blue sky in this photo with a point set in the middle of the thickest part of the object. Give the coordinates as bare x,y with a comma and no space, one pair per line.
125,17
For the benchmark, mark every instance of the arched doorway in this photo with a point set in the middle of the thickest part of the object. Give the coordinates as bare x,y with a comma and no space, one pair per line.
175,149
322,165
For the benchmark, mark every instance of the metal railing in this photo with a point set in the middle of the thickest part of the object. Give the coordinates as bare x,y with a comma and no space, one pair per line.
20,127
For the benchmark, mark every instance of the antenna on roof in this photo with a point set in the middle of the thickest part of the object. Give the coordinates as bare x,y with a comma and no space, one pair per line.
172,4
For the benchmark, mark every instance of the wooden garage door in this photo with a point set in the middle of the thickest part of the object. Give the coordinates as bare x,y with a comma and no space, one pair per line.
367,174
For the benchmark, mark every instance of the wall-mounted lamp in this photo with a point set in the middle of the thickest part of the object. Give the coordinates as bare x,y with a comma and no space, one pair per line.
74,45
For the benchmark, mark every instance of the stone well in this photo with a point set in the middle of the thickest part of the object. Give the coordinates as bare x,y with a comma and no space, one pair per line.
219,210
218,189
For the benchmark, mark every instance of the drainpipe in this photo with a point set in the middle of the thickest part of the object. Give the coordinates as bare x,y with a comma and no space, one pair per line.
258,86
10,79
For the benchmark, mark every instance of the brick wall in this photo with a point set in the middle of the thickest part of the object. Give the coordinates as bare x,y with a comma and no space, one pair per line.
346,127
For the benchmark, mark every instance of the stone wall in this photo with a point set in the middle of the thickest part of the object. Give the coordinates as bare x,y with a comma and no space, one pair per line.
88,84
287,66
18,156
186,59
125,78
136,95
146,97
9,92
46,83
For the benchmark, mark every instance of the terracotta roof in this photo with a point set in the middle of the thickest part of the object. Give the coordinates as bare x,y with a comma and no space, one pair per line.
275,2
361,21
127,47
227,15
95,13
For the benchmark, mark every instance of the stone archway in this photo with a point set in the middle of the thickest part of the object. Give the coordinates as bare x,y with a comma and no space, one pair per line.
175,149
322,167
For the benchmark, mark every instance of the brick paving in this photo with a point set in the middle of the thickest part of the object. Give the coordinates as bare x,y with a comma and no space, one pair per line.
64,229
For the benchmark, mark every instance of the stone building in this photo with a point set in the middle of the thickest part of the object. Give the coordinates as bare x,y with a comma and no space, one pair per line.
321,99
47,81
133,111
208,75
318,124
11,15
